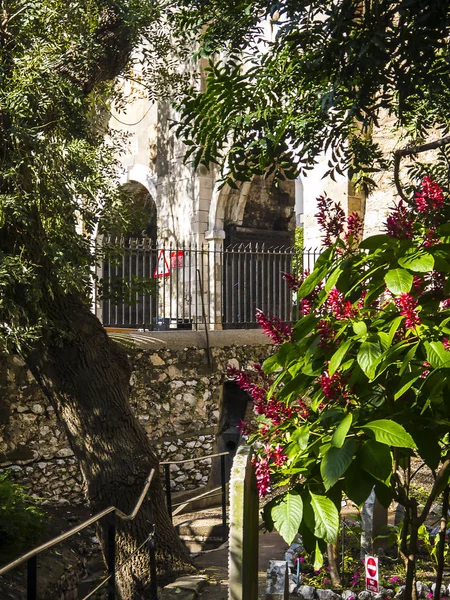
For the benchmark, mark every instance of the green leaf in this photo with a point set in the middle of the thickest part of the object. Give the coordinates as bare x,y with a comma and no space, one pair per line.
326,518
341,431
271,364
437,355
398,281
367,357
304,326
318,557
332,279
408,358
298,441
394,327
428,447
408,381
374,242
418,261
311,282
338,356
360,328
335,462
287,515
375,458
358,483
390,433
384,494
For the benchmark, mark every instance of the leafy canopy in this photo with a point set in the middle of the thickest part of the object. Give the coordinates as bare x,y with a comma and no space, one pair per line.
58,160
330,72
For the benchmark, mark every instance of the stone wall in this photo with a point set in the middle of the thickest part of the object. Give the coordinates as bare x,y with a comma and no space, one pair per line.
175,394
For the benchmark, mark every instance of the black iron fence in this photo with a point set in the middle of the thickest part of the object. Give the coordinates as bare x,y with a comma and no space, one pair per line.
147,287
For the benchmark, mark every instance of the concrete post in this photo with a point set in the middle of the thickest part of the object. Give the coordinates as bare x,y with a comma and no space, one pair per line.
243,551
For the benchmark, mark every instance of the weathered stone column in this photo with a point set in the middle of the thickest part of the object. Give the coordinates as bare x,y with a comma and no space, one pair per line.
243,552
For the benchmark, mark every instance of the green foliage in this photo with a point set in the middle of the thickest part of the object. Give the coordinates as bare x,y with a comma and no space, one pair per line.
58,164
319,77
21,520
362,384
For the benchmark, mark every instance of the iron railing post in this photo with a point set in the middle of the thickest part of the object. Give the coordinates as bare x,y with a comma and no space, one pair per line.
224,497
168,491
111,555
153,583
32,578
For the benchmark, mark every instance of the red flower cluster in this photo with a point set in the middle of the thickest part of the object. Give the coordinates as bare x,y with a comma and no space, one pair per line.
340,308
354,229
278,331
276,455
331,219
256,385
399,223
407,306
430,198
334,387
274,410
261,466
326,333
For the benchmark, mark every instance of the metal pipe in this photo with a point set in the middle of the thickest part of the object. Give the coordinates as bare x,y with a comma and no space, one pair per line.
168,491
32,578
111,556
224,497
208,350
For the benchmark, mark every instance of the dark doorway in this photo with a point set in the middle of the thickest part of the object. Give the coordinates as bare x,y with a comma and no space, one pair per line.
233,408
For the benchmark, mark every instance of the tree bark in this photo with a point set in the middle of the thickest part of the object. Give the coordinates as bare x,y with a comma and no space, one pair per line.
333,563
86,377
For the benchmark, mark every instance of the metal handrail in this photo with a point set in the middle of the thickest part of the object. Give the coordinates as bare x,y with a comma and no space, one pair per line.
179,462
181,505
80,527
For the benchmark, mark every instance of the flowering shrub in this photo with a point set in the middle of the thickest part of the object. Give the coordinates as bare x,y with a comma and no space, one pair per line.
361,383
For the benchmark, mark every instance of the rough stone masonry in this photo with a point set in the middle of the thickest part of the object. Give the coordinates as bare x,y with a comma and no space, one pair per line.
176,396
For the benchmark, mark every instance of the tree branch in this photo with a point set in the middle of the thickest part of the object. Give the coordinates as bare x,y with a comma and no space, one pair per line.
443,474
409,151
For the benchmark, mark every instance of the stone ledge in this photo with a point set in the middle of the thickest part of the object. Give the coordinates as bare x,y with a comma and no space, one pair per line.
184,588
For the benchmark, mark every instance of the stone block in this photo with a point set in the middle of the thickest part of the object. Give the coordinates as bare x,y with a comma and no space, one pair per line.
327,595
349,595
422,589
306,592
184,588
277,587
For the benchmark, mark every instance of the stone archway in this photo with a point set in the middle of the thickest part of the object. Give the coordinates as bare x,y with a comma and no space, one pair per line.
129,290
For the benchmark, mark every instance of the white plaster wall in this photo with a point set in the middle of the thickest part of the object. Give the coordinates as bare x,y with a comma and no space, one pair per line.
315,185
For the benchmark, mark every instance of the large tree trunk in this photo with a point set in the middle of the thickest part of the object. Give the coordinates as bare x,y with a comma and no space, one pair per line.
86,377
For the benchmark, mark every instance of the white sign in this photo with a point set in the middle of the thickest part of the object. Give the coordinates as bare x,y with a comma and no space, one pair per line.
371,573
162,268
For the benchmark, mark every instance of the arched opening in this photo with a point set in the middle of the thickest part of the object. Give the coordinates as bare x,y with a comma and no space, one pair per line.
128,287
258,252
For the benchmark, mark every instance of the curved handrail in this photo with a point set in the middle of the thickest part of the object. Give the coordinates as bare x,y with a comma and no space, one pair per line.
80,527
186,460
